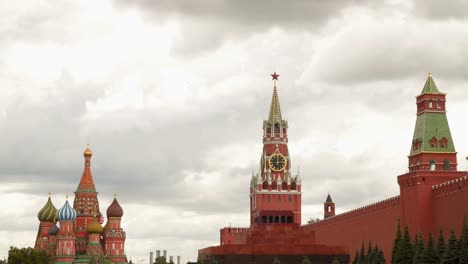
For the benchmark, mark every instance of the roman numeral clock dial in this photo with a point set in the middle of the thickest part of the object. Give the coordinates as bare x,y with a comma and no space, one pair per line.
277,162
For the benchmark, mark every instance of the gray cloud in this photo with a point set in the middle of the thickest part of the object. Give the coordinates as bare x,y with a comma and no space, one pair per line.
206,25
441,10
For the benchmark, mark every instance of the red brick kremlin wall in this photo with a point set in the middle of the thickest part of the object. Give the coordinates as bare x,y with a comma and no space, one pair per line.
447,203
451,205
376,222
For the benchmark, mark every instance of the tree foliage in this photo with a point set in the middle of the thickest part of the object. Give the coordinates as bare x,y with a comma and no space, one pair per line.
441,244
160,260
463,254
27,256
396,243
405,250
373,256
419,250
430,254
451,251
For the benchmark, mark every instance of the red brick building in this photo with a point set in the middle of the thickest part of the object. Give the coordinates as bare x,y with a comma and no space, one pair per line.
433,194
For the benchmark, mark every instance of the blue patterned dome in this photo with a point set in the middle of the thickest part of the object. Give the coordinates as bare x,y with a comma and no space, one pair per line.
66,213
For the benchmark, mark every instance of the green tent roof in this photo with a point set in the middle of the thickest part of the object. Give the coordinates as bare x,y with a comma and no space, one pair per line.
430,86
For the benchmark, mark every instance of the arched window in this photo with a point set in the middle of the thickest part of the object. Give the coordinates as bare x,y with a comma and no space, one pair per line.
277,128
439,104
433,142
430,103
432,165
329,209
443,142
446,165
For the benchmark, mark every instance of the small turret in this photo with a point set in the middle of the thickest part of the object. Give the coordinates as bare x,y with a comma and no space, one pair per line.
65,250
114,235
328,207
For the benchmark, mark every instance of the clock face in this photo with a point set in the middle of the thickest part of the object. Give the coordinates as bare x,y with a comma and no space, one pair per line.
277,162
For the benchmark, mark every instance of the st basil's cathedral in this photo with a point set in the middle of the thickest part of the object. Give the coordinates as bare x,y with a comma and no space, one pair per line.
79,236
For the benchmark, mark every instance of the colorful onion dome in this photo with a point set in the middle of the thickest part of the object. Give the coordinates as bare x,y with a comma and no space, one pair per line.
87,152
53,230
48,212
94,227
114,210
66,213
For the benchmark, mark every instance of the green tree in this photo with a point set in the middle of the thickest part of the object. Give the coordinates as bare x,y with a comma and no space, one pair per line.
160,260
451,250
362,254
419,250
27,256
396,243
430,254
356,258
405,253
379,257
463,254
441,244
370,254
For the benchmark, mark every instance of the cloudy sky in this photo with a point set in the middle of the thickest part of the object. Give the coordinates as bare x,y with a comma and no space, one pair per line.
171,96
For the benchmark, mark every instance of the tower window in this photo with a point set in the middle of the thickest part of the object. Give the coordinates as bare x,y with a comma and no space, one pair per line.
443,142
430,103
432,165
433,142
439,104
277,128
446,165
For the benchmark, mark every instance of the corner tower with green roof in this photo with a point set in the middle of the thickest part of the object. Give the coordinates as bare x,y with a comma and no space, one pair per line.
432,146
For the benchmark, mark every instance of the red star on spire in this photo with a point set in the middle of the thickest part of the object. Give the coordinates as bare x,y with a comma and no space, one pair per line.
274,76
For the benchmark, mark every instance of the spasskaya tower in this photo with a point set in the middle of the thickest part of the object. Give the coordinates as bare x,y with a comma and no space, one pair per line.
275,194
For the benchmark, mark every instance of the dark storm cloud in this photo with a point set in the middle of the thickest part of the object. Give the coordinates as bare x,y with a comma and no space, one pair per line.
208,24
276,12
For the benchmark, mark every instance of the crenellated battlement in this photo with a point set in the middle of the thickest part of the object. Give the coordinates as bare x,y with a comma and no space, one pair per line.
451,186
233,235
365,210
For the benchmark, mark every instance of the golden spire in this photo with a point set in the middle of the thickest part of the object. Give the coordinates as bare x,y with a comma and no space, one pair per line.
275,109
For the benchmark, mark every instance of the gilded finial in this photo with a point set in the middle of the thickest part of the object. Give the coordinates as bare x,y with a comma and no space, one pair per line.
66,196
115,195
88,151
49,194
430,74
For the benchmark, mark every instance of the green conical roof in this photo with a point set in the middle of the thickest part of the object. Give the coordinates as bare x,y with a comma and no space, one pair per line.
275,109
430,125
329,199
430,86
48,212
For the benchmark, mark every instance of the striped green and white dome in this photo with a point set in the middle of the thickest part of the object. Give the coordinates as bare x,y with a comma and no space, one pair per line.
48,212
